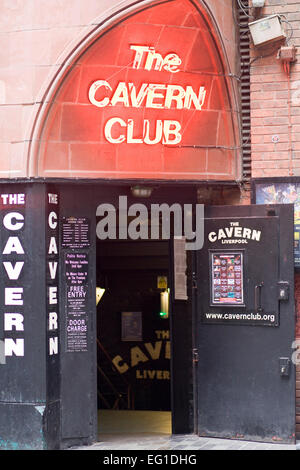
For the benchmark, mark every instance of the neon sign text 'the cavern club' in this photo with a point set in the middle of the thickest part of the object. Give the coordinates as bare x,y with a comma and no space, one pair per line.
148,95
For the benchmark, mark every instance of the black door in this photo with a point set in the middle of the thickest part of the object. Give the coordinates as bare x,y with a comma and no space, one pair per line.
244,325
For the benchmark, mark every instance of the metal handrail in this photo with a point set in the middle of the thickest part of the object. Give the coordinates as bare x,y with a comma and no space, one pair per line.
117,394
130,396
100,345
103,399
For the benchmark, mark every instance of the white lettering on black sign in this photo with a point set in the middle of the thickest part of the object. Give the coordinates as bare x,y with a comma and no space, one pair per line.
52,273
234,234
13,223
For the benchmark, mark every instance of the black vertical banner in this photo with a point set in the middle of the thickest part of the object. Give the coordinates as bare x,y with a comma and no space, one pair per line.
52,316
77,316
23,317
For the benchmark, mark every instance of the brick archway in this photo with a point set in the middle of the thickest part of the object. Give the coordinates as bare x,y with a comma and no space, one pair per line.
162,136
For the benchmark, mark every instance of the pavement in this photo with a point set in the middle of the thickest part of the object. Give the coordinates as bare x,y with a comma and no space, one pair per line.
190,442
123,430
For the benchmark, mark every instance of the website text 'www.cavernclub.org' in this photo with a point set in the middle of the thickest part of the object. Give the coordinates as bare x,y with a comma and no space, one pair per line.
251,317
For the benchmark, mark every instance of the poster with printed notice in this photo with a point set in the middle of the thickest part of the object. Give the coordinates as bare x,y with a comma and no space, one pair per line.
227,279
75,232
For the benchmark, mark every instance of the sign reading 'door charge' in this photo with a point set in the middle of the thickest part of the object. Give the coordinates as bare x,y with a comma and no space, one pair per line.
147,95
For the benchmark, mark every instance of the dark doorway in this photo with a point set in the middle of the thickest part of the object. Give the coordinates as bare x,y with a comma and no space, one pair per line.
133,332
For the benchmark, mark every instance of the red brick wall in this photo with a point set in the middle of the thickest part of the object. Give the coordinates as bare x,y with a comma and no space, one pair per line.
275,121
275,108
275,102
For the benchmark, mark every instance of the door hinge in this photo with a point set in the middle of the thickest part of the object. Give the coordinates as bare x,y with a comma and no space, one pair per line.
194,281
195,355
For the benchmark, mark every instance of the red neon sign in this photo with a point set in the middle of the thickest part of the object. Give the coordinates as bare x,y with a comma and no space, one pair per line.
149,99
148,95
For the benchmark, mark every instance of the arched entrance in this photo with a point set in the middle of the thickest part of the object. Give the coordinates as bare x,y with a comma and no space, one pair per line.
149,98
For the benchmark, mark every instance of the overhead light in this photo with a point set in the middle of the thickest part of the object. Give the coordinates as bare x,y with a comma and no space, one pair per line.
141,191
99,293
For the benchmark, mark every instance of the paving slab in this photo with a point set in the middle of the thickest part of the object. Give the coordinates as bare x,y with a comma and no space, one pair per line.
179,443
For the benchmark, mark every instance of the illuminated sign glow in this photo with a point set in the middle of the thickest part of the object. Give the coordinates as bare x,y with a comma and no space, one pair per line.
148,95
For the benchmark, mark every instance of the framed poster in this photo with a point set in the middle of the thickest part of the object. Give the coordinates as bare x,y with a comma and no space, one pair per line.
75,232
281,191
132,326
226,278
